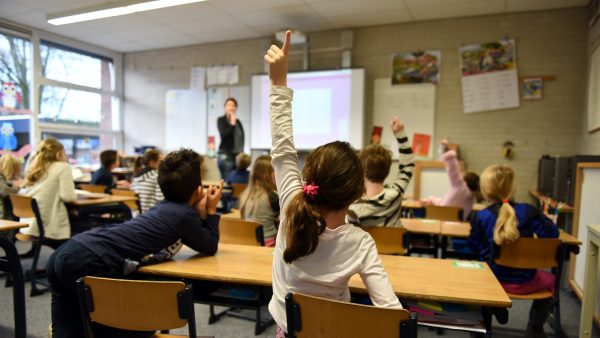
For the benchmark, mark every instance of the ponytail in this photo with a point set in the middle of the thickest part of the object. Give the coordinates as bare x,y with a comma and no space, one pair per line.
304,223
505,230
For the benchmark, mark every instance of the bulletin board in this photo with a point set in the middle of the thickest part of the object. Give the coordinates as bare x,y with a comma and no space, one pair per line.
413,104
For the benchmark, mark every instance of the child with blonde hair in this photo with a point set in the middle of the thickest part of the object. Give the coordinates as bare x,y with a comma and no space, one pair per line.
49,180
259,202
10,170
316,251
504,221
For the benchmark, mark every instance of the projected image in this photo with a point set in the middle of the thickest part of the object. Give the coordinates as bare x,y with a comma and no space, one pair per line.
327,106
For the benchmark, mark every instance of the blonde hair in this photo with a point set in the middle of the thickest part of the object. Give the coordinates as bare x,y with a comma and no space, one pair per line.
259,184
242,161
497,184
10,166
46,154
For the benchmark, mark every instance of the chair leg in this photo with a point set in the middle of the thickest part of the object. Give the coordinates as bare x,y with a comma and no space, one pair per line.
35,291
557,326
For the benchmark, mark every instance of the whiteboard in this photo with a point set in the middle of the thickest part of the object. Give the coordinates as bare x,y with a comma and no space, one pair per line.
216,104
434,182
594,92
413,104
589,213
185,123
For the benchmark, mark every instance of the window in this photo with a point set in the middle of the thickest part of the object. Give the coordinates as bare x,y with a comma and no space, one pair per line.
15,75
83,149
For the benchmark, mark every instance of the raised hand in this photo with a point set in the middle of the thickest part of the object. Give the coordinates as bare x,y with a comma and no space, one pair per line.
396,125
444,143
277,58
213,197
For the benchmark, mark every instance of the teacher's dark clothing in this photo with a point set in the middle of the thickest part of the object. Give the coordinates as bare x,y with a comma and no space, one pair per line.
228,136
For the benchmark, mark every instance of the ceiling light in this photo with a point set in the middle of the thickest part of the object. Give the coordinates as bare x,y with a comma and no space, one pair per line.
112,9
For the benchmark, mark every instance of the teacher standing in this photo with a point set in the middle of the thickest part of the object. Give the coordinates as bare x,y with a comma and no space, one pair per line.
232,137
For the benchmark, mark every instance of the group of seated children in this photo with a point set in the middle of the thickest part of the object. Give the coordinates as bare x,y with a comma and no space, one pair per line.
317,246
317,250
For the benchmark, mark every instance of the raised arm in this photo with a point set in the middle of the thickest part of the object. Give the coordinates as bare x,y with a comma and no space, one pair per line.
283,151
406,159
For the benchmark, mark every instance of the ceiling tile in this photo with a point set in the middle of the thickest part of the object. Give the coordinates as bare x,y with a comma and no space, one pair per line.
230,35
148,33
188,12
369,19
457,10
341,8
297,17
10,8
75,31
121,23
53,6
531,5
436,3
209,25
245,6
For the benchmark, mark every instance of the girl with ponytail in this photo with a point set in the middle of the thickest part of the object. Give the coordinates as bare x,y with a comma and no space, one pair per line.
316,251
503,222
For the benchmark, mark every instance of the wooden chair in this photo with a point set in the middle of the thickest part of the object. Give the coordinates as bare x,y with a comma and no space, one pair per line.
133,205
238,231
98,189
443,213
535,253
389,240
26,207
314,317
237,189
136,305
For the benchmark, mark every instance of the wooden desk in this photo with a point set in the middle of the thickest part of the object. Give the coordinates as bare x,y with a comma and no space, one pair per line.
11,225
234,213
565,208
422,226
413,204
591,281
107,199
122,171
411,277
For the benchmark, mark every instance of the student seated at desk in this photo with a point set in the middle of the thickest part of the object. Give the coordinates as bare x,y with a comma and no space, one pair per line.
260,202
504,221
48,179
240,174
316,251
10,171
145,182
109,160
381,203
464,190
186,215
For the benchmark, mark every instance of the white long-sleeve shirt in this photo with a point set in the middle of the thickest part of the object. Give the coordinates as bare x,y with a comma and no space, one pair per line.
340,254
51,193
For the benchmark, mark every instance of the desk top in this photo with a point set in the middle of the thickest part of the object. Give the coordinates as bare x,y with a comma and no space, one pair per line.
411,277
422,226
107,199
122,171
235,213
11,225
413,204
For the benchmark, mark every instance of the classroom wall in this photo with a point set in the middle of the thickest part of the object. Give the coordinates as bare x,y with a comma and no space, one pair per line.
590,143
548,43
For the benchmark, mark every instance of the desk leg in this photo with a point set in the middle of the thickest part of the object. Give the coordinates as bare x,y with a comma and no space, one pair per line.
590,288
444,246
16,272
501,316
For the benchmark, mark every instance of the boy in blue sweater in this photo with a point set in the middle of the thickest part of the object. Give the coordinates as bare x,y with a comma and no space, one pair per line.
187,215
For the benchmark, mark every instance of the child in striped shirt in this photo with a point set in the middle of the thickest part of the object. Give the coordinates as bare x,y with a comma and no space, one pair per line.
381,203
145,183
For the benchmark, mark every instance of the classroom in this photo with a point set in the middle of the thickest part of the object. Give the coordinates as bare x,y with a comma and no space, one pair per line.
174,166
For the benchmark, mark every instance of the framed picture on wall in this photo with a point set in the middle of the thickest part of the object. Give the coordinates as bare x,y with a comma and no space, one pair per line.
532,88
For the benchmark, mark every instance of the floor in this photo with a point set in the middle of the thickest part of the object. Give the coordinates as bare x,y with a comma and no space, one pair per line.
38,317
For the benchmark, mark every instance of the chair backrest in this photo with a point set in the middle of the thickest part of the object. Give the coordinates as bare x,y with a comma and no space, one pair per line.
238,231
136,305
26,207
133,205
443,213
237,189
389,240
93,188
309,316
530,253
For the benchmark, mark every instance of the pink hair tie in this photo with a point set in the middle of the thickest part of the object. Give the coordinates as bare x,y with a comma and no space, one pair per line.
505,201
310,190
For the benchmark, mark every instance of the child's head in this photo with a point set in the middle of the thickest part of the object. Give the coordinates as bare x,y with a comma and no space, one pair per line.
48,152
376,162
472,181
262,180
109,158
338,173
179,176
498,186
10,166
242,161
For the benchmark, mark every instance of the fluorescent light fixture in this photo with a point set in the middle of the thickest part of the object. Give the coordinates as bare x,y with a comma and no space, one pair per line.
112,9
